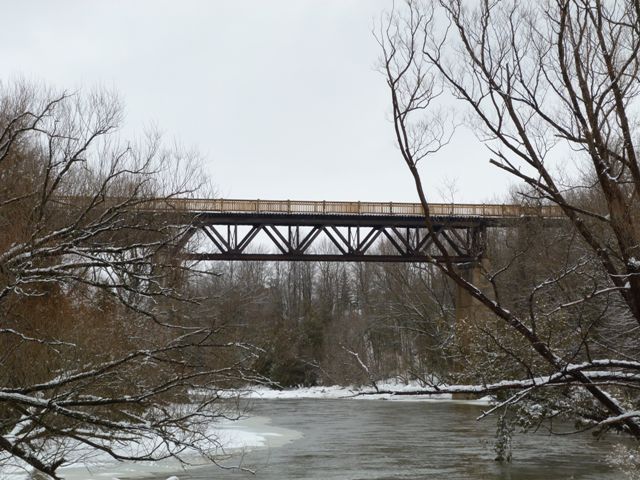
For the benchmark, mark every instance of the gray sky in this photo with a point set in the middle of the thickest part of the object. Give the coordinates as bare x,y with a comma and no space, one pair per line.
281,97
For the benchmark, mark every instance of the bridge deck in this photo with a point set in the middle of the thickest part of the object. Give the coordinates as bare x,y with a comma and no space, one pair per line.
297,207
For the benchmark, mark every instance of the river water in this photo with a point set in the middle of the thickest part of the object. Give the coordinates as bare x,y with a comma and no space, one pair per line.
369,439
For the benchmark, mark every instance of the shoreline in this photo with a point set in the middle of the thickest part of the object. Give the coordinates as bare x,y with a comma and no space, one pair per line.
338,392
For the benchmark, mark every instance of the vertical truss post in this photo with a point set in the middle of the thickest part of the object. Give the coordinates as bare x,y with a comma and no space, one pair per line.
478,241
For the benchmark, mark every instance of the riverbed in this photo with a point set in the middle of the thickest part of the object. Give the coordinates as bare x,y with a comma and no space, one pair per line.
344,439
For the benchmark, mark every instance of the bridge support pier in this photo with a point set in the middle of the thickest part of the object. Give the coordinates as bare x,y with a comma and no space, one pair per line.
471,315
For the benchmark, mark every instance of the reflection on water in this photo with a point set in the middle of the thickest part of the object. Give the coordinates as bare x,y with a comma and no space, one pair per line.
360,439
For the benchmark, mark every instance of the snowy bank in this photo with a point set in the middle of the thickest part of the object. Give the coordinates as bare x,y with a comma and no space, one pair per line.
359,393
233,436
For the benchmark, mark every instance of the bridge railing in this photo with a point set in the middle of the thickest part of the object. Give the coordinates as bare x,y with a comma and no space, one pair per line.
356,208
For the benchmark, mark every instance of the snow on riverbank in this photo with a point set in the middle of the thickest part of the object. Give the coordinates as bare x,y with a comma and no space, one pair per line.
360,393
91,464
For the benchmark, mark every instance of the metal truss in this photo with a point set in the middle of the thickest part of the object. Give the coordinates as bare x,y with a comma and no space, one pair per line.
330,238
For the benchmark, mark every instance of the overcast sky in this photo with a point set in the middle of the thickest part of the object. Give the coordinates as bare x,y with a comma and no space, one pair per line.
281,97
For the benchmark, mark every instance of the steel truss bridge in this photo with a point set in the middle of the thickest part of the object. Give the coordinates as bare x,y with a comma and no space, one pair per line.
340,231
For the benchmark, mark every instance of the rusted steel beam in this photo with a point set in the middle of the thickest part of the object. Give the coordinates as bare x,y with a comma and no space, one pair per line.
356,220
317,257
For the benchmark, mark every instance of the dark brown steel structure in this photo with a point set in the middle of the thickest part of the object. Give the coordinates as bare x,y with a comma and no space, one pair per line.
236,229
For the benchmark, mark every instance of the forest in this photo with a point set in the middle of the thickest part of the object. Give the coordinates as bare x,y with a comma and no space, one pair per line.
108,335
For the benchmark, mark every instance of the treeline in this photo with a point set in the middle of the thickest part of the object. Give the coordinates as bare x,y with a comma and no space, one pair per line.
98,338
327,323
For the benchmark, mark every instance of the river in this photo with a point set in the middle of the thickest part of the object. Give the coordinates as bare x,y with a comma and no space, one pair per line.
368,439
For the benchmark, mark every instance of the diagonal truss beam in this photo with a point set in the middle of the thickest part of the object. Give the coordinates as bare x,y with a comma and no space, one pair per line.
350,243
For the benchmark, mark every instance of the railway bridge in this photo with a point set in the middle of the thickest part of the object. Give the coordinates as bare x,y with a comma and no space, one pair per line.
341,231
347,232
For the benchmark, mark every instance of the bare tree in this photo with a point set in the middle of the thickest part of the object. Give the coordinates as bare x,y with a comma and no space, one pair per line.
551,88
98,332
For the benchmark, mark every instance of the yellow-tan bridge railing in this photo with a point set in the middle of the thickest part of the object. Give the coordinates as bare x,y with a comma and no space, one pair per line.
355,208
